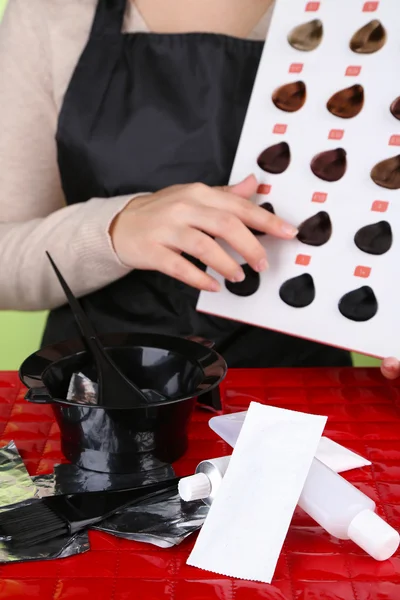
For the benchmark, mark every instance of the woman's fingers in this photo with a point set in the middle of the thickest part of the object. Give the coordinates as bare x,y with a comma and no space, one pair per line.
249,213
229,228
390,368
245,189
173,264
203,247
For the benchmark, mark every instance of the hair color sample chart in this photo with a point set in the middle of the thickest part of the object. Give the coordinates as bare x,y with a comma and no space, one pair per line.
322,134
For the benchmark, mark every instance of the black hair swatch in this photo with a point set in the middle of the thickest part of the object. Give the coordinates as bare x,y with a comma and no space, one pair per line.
374,239
248,286
359,305
298,292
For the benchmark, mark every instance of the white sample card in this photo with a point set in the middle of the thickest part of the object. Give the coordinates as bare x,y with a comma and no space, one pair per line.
247,524
322,135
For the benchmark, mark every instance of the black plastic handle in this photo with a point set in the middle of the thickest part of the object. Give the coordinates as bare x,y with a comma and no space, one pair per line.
39,395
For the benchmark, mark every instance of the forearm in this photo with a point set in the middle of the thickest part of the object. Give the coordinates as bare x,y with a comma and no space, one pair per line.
77,237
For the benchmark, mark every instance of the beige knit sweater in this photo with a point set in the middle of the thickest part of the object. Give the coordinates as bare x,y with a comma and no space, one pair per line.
40,44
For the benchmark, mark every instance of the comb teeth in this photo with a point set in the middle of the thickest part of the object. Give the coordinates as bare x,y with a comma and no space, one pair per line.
31,525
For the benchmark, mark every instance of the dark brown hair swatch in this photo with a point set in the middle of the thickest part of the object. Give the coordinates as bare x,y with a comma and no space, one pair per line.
369,39
275,159
248,286
308,36
330,165
359,305
298,292
268,207
347,103
395,108
386,174
374,239
290,97
316,231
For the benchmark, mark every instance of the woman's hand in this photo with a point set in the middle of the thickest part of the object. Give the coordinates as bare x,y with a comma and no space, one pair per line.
390,368
153,231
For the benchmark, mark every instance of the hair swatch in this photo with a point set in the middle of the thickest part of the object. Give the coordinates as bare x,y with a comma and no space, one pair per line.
395,108
298,292
386,174
248,286
347,103
369,39
374,239
359,305
316,231
290,97
275,159
308,36
330,165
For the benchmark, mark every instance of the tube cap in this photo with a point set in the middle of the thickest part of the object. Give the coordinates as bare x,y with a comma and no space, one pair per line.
195,487
374,535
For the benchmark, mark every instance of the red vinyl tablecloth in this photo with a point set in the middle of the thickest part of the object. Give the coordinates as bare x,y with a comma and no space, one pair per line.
364,415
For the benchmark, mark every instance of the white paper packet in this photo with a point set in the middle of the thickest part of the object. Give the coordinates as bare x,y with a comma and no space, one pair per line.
244,531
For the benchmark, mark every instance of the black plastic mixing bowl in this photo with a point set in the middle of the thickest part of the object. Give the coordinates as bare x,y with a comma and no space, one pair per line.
127,440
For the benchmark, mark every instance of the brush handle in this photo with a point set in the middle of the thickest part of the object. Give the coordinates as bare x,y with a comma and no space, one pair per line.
85,326
112,382
87,509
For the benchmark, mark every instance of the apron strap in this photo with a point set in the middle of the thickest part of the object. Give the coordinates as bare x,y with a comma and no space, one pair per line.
109,18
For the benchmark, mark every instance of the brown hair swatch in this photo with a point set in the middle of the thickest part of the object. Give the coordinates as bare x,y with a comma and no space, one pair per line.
369,39
308,36
275,159
347,103
316,231
330,165
290,97
386,174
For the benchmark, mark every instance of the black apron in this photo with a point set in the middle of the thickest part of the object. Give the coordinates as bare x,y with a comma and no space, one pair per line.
144,111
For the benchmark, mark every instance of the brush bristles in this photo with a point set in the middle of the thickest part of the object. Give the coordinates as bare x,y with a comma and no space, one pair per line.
30,525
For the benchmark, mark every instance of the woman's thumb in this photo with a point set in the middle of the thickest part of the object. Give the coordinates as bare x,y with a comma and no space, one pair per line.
246,188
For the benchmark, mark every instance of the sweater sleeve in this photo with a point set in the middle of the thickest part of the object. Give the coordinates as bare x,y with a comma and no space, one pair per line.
33,215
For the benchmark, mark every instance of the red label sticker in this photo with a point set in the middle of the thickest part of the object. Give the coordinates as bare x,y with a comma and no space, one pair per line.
312,6
319,197
336,134
303,259
353,71
296,68
364,272
264,189
394,140
370,6
280,128
380,206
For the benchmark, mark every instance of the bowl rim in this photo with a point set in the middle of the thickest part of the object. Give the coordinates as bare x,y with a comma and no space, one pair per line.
34,367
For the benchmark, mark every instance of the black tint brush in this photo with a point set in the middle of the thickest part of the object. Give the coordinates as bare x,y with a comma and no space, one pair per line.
56,516
114,389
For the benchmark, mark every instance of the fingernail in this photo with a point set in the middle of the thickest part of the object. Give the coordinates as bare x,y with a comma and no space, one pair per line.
289,230
238,277
390,364
262,265
214,286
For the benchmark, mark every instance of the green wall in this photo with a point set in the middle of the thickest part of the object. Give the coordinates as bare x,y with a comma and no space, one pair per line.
20,332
